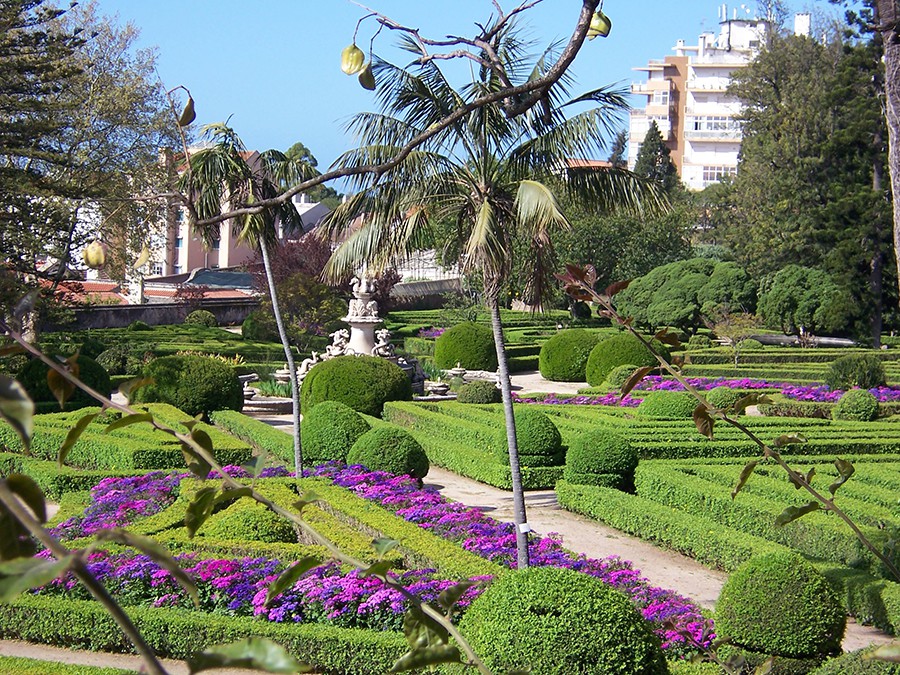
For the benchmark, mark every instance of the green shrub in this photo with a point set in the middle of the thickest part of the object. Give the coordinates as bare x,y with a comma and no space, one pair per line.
202,317
856,663
251,521
479,391
259,326
601,457
723,397
559,622
619,350
365,383
699,342
138,326
34,378
539,441
563,358
668,405
114,359
856,404
390,449
469,344
329,430
619,375
855,370
194,384
91,347
751,345
780,604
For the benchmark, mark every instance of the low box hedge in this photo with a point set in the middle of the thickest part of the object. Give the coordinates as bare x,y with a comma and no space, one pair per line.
15,665
258,434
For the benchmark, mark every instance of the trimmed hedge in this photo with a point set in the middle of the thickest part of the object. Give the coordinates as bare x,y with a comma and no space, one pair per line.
856,663
780,604
539,441
33,377
14,665
563,358
365,383
195,384
202,317
390,449
480,391
855,370
258,434
329,430
723,397
619,375
667,405
601,457
857,405
469,344
558,622
619,350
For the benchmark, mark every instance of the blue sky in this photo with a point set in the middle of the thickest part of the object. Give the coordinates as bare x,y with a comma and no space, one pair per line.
273,66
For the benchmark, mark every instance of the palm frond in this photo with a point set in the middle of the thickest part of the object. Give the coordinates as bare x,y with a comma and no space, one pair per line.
614,190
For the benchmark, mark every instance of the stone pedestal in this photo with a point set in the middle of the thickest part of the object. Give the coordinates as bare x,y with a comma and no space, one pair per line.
362,334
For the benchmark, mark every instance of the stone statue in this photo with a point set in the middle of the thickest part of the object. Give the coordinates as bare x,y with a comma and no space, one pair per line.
306,365
383,347
362,308
338,346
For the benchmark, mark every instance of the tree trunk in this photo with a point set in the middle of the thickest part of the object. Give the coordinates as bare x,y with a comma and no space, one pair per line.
289,357
886,18
876,264
519,516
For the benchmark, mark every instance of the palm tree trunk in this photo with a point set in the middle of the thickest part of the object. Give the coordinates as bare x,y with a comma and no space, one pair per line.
289,357
519,516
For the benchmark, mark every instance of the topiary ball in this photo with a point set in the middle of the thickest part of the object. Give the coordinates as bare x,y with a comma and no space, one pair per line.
855,370
196,385
699,342
390,449
539,441
33,377
247,520
479,391
751,345
601,457
723,397
858,405
780,604
856,663
91,347
563,358
619,375
365,383
668,405
202,317
469,344
138,326
115,359
329,430
557,621
619,350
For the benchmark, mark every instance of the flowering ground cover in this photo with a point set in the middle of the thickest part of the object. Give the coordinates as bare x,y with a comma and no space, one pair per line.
821,393
329,594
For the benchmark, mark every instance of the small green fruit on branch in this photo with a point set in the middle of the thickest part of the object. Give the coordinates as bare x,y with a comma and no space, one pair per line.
352,60
600,25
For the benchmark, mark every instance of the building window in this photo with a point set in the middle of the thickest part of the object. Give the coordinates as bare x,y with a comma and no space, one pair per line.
179,215
179,242
215,244
176,269
660,98
156,270
713,174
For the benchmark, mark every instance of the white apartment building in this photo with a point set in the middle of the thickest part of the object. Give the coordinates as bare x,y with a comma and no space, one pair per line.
687,100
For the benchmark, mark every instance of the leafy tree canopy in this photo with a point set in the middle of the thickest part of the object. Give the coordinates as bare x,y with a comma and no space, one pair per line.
801,300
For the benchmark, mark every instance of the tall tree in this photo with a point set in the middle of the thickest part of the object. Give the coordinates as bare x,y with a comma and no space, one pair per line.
490,174
618,154
654,160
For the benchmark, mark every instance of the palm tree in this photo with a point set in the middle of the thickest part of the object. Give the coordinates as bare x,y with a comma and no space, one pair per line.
493,176
225,175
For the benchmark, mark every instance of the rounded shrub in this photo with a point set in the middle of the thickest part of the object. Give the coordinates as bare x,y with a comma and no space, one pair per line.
202,317
619,375
668,405
249,521
699,342
259,326
33,377
856,663
138,326
619,350
751,345
558,622
723,397
858,405
469,344
390,449
855,370
194,384
479,391
780,604
114,359
91,347
329,430
601,457
365,383
539,441
563,358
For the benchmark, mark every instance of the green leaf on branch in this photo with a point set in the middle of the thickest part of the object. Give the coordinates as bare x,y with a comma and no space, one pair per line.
634,379
307,498
788,439
889,652
229,495
422,630
61,387
792,513
617,287
131,386
255,466
703,421
765,668
196,463
377,569
750,399
73,436
155,551
383,545
254,652
806,479
845,471
30,493
290,576
200,509
668,338
22,574
128,420
450,596
17,409
427,656
746,472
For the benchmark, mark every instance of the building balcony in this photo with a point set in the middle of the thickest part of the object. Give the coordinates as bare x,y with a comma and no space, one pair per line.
711,86
716,136
650,86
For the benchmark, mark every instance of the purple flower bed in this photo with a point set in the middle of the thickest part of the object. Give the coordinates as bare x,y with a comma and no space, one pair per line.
431,332
821,393
328,595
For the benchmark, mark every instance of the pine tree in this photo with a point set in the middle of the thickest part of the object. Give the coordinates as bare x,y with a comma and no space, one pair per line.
618,155
654,162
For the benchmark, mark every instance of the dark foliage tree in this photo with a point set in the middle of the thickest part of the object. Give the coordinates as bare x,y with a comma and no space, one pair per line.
618,154
654,161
